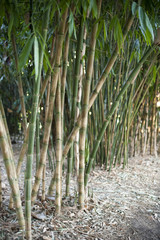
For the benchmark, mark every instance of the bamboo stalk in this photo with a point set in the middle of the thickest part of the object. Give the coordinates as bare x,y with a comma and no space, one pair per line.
9,141
154,119
0,189
85,104
59,44
58,148
20,86
64,74
74,100
28,173
79,96
146,128
5,124
11,173
37,141
44,169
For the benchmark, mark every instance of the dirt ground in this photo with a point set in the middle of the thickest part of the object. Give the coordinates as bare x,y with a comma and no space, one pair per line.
123,204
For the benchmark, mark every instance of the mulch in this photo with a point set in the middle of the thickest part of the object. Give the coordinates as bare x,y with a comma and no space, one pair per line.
122,204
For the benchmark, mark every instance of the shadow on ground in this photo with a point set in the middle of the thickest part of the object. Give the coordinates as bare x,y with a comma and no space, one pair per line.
145,225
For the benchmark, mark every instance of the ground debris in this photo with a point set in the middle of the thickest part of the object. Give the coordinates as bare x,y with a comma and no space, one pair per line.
123,204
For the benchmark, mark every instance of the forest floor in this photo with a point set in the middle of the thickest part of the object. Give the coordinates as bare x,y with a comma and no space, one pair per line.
123,204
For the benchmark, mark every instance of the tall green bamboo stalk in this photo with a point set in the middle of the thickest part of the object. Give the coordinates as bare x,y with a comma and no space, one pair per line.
28,174
37,141
64,74
75,94
85,104
44,169
79,96
58,148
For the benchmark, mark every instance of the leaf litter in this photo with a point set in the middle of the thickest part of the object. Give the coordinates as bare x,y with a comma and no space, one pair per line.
122,204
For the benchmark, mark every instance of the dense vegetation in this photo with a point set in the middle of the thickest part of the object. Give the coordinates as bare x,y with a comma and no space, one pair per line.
80,81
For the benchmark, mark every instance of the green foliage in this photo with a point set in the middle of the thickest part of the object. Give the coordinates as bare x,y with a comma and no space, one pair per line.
25,52
146,26
2,11
134,8
10,25
117,31
93,7
126,5
132,56
100,25
72,27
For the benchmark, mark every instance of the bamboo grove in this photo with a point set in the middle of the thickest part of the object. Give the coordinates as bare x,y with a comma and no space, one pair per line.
84,76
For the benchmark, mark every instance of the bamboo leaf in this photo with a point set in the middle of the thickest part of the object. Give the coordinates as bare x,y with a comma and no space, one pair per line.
2,11
142,18
99,28
132,56
74,28
10,25
148,37
134,8
53,12
36,57
85,9
146,27
149,26
25,53
118,35
94,8
71,24
112,24
126,5
45,54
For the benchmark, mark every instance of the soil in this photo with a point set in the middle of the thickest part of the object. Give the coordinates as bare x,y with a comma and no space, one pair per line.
123,204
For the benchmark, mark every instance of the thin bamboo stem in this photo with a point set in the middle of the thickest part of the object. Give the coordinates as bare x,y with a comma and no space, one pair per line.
58,149
20,86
